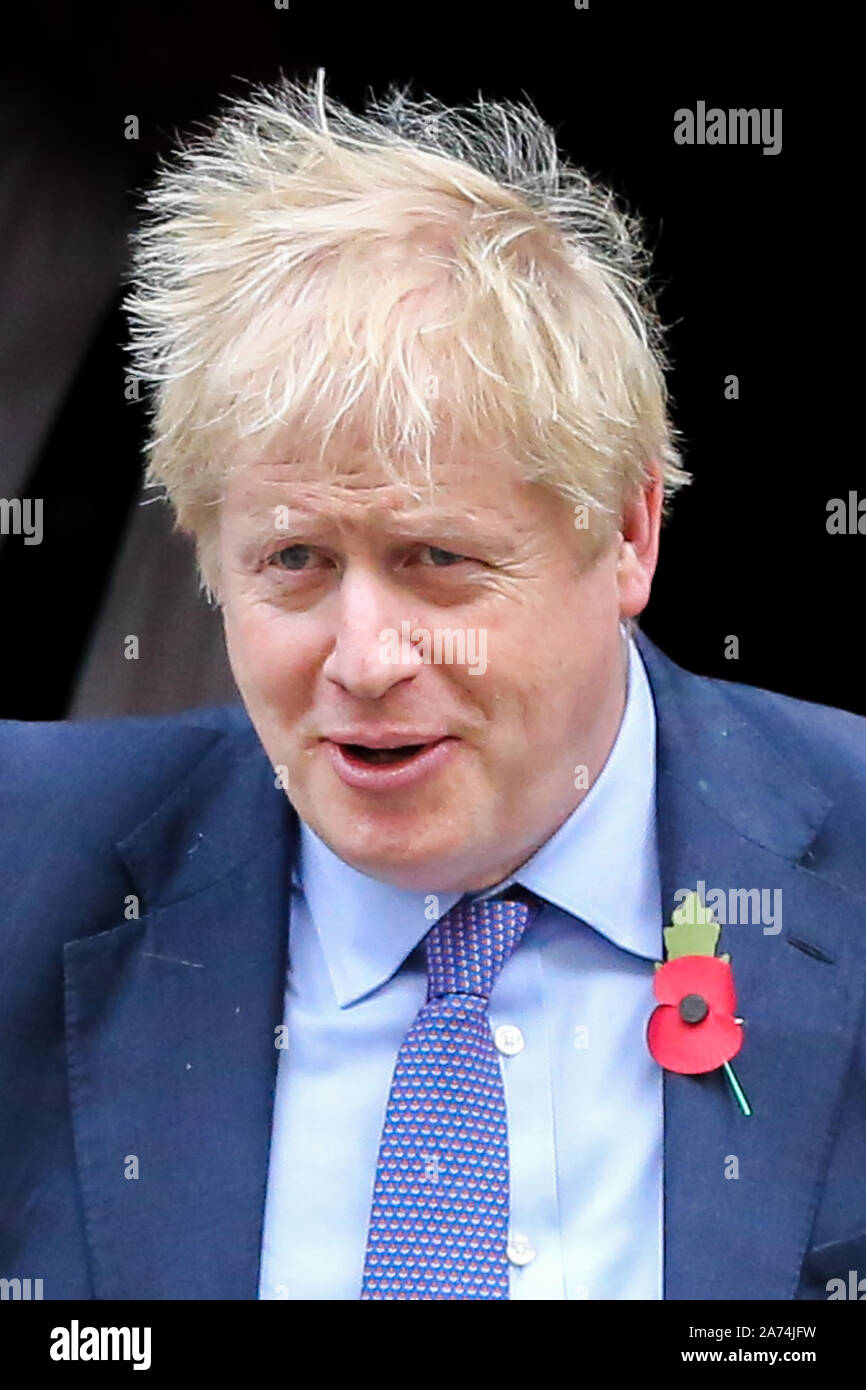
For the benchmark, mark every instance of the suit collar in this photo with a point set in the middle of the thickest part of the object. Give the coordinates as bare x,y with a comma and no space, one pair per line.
227,812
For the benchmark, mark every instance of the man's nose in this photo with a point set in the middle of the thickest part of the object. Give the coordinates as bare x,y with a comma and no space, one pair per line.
370,650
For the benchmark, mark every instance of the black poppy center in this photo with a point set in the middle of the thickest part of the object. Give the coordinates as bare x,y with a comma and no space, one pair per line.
693,1008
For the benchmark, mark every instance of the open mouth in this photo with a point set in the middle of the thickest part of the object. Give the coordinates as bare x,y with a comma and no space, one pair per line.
389,770
373,756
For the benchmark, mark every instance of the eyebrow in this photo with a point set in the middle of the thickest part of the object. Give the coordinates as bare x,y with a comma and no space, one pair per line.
404,525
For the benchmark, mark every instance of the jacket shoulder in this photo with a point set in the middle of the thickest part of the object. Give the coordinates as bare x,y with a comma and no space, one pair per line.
826,744
823,744
104,775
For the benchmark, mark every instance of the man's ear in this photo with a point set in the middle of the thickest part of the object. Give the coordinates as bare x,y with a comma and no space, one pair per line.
639,543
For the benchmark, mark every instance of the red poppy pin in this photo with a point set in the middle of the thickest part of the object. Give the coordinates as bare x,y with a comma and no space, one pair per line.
694,1028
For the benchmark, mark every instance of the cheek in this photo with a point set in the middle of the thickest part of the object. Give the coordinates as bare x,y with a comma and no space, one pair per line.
263,657
564,664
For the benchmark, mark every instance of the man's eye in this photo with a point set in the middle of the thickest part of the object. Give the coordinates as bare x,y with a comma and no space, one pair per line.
296,558
442,559
291,557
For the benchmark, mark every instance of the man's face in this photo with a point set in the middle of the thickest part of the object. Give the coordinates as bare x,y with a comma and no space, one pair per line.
526,688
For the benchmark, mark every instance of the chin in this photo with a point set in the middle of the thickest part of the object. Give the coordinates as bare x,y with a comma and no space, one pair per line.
404,864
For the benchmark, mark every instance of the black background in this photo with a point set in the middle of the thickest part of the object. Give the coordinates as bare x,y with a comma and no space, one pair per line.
742,264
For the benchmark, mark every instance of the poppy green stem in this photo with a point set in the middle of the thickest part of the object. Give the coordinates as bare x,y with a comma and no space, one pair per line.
737,1089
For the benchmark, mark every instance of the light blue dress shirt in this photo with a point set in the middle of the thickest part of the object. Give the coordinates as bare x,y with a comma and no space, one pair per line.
569,1014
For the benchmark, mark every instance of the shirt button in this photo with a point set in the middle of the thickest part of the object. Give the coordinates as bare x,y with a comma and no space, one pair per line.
508,1039
520,1252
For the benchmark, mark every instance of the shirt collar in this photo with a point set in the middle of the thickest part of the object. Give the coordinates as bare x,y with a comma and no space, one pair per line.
600,866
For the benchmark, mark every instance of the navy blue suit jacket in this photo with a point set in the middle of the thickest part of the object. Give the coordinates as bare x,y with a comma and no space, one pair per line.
153,1037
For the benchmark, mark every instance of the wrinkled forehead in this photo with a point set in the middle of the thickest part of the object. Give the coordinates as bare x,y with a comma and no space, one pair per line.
352,485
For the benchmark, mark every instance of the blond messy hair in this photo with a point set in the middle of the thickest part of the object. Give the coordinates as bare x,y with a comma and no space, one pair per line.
407,282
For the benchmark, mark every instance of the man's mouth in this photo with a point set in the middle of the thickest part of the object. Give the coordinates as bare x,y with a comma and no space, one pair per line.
374,756
384,765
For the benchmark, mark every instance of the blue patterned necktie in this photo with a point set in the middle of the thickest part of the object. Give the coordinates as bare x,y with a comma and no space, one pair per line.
439,1221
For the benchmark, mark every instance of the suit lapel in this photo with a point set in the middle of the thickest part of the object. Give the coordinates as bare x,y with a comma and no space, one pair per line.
735,815
171,1025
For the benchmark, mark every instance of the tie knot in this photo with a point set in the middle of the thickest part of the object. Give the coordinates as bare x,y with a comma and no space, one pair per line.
468,947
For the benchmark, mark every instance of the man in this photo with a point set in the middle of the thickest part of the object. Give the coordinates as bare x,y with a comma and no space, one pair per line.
346,995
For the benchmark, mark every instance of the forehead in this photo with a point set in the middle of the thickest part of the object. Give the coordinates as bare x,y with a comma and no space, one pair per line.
473,490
